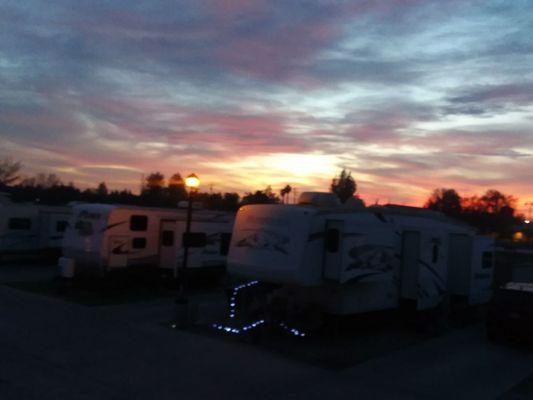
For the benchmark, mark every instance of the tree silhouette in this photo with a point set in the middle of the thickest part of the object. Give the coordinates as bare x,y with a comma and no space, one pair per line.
9,170
446,201
155,181
43,181
266,196
491,213
176,188
494,202
344,186
102,190
284,192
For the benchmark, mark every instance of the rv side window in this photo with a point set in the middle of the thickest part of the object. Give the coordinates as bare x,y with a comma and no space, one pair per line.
19,224
435,256
138,223
167,238
332,240
225,240
138,243
61,226
486,261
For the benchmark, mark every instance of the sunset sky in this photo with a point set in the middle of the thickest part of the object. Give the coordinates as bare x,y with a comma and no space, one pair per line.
409,95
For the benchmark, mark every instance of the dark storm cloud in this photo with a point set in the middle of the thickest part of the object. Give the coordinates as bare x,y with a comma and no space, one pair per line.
481,99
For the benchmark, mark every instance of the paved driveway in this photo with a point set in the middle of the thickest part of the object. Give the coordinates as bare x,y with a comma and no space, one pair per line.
50,349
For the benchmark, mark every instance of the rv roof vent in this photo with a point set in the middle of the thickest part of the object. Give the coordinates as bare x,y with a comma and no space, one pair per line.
319,199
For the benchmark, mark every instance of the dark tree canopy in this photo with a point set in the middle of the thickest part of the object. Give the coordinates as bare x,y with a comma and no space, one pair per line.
266,196
285,192
446,201
155,181
102,189
344,186
176,188
49,189
491,213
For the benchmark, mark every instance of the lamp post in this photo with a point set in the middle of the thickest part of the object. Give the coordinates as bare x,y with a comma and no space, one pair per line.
192,183
530,204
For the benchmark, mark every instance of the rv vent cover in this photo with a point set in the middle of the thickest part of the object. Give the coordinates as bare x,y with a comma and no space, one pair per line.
319,199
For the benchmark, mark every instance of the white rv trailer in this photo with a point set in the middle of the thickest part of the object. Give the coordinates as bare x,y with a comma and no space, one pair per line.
103,237
29,228
349,261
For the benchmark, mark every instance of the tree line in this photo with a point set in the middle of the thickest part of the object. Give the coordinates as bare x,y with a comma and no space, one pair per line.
157,191
491,213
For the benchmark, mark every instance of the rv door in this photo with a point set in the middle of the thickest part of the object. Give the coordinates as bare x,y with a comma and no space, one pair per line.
410,265
119,248
459,264
333,249
167,245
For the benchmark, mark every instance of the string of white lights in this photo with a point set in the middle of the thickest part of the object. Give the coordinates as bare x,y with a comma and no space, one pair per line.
237,331
233,298
255,324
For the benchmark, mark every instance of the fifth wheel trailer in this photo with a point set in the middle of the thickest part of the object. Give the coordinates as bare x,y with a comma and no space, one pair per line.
347,261
31,228
102,238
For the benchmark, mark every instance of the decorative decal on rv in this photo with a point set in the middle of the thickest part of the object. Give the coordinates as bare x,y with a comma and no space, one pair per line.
265,240
363,276
371,257
108,227
119,250
438,281
380,216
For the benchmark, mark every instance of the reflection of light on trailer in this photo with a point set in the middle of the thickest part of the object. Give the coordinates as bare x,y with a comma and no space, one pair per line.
348,260
105,237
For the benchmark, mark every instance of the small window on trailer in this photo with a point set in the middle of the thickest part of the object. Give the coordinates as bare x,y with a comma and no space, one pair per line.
486,260
225,240
435,253
61,226
167,238
332,241
138,243
138,223
19,224
194,239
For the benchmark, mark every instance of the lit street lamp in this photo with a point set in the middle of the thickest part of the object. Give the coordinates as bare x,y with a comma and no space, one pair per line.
192,183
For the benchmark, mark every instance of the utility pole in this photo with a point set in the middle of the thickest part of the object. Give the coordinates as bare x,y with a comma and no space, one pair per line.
530,204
